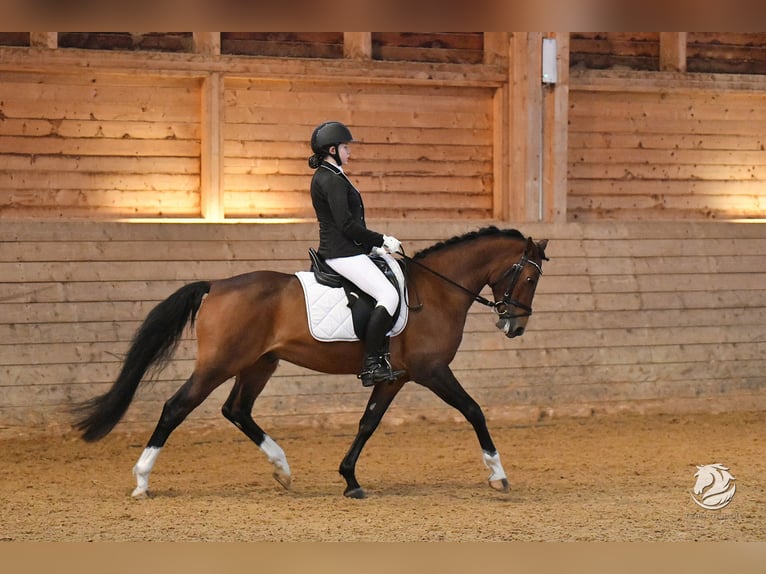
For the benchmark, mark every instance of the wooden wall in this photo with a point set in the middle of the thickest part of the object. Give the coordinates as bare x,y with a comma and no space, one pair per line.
425,152
651,147
99,145
706,52
649,303
105,134
636,318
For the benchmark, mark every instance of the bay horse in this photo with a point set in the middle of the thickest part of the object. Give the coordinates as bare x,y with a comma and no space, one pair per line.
249,323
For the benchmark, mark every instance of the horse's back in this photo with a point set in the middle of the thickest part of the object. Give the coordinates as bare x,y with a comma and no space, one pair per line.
261,281
258,293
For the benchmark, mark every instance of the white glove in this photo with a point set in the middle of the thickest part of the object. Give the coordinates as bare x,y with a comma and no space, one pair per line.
391,244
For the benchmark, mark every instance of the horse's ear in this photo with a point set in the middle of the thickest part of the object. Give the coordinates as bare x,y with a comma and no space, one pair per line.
541,245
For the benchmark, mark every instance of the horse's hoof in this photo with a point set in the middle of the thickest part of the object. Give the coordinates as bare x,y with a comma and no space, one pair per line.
500,485
284,479
140,494
357,493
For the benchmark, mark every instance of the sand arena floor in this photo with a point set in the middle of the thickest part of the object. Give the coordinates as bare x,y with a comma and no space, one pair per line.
603,478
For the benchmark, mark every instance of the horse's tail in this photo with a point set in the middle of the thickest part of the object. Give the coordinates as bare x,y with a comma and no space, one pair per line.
152,347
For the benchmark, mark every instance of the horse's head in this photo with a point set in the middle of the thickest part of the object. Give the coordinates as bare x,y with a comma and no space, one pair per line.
515,289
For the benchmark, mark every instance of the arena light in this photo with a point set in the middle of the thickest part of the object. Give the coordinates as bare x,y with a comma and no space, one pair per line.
201,220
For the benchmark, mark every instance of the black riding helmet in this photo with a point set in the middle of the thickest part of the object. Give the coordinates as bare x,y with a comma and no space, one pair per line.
325,136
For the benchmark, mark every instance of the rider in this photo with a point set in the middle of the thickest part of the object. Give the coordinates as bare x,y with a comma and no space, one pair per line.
345,242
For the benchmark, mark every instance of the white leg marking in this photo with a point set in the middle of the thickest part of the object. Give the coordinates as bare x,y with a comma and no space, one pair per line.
276,456
497,479
142,469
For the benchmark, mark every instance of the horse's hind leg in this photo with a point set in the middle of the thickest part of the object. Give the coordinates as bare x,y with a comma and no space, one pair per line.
444,384
195,390
239,407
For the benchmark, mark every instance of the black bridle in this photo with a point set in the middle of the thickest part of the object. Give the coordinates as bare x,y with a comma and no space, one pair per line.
502,307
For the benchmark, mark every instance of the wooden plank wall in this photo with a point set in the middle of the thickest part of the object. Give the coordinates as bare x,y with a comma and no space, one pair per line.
727,52
706,52
628,318
425,152
651,147
105,143
99,145
633,314
600,50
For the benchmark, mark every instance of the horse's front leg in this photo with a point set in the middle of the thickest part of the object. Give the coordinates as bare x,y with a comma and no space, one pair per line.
444,384
380,400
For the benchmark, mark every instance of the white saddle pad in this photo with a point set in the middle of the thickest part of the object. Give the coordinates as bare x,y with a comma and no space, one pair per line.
327,308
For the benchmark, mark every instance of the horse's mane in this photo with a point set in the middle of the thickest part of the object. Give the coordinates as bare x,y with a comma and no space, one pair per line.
490,231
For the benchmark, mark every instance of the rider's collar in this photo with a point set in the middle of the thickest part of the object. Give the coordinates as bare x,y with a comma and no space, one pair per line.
332,166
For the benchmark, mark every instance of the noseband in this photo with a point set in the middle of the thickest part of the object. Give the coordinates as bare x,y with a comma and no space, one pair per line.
503,307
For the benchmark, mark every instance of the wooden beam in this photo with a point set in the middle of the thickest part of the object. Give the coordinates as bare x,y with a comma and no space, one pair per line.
211,164
48,40
555,129
673,51
357,45
496,48
207,43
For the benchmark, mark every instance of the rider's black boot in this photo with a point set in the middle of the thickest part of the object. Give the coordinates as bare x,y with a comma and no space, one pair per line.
377,364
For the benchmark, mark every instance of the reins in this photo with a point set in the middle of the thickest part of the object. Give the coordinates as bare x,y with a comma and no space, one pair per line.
476,297
499,307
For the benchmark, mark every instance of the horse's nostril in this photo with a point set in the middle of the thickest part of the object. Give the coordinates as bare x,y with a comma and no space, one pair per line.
518,332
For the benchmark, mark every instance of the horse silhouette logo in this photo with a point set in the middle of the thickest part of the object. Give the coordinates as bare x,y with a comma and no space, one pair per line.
714,488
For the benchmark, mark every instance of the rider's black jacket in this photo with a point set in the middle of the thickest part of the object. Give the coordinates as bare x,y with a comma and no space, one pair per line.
340,211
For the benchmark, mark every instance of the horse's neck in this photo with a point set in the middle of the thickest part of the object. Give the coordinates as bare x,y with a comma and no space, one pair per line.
468,266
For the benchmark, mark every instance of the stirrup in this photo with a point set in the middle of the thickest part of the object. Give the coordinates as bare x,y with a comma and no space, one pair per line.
378,371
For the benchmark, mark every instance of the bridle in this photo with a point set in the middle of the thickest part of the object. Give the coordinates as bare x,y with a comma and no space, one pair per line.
503,307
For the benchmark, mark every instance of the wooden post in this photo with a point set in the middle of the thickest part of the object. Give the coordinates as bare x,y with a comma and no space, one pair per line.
673,51
357,45
207,43
525,131
211,160
555,141
500,159
48,40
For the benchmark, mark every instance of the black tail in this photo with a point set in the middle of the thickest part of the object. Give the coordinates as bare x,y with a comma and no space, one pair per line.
152,347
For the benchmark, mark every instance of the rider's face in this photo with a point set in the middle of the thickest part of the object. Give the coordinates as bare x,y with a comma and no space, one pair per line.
344,151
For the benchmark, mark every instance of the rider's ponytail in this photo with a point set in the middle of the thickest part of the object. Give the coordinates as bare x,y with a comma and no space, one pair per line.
315,160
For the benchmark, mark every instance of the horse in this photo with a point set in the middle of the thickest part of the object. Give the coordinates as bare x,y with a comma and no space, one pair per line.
248,323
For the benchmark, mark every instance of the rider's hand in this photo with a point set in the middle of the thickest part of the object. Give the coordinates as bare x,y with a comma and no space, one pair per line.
391,244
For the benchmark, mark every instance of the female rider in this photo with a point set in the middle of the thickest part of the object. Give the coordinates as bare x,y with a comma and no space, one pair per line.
345,242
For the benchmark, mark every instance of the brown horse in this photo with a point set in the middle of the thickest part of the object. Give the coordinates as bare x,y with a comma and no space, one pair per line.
250,322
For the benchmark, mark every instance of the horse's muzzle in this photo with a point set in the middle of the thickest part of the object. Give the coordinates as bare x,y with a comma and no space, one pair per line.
506,326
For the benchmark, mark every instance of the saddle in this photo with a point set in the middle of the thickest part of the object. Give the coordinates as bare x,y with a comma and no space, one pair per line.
359,302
